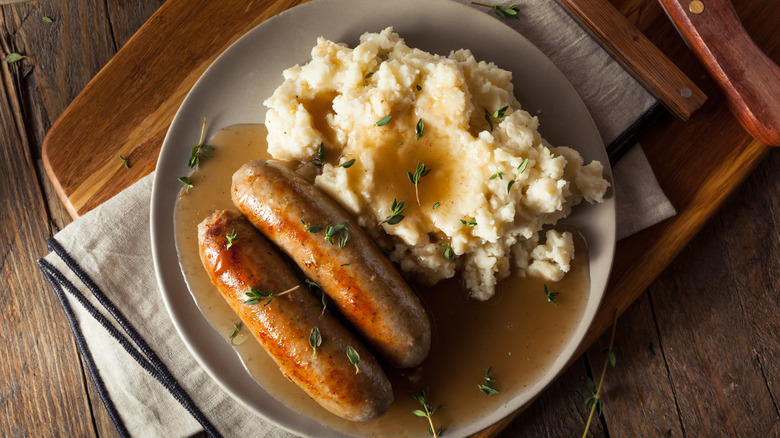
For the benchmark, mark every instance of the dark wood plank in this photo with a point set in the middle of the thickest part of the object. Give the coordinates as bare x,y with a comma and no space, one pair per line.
717,316
42,393
560,411
63,56
637,393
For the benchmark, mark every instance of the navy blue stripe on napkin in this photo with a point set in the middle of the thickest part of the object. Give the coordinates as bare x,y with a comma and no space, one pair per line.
135,346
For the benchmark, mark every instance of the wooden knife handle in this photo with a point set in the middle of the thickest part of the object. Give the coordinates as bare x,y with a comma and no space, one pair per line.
749,78
638,56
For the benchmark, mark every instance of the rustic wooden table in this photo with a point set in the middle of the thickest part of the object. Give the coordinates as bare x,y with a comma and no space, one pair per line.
698,353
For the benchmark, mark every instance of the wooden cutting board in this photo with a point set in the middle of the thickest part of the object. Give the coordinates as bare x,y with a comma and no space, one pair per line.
126,110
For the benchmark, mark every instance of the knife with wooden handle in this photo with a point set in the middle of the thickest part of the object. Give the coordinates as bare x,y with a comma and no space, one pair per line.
638,56
749,78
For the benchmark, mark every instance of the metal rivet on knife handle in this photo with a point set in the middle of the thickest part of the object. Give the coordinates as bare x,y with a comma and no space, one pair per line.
696,7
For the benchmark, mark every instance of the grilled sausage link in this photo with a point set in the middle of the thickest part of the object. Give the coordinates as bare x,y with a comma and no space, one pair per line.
284,324
362,282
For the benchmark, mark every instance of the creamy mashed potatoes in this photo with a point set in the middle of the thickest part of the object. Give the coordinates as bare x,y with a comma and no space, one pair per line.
459,118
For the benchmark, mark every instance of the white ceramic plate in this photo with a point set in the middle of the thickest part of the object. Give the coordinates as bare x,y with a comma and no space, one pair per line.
232,90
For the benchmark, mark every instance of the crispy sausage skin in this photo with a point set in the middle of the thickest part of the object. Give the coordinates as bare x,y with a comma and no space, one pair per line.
362,282
283,325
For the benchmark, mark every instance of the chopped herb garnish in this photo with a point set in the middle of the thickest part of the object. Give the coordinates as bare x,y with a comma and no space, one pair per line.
419,172
311,284
319,160
550,295
368,75
469,223
346,164
426,412
502,11
236,328
449,254
419,129
353,357
398,143
332,230
231,238
187,183
487,388
315,339
125,161
199,150
520,169
418,87
395,215
47,19
436,205
311,228
13,57
499,175
489,120
383,121
256,295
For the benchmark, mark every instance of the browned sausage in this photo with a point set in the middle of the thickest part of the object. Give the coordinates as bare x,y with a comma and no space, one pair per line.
283,325
365,286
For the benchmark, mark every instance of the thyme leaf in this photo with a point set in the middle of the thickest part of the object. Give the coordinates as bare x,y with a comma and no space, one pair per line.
315,339
319,160
419,172
427,411
231,238
383,121
395,215
488,387
550,295
353,356
199,150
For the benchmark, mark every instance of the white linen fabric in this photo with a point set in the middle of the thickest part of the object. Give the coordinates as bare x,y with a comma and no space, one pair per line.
101,264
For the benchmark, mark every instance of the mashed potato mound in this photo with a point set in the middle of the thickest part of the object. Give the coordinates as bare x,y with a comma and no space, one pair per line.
459,118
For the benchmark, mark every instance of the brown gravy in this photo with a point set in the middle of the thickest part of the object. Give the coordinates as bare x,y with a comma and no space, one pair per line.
517,332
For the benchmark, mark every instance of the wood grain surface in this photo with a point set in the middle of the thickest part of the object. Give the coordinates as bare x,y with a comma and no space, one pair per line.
697,353
749,78
641,58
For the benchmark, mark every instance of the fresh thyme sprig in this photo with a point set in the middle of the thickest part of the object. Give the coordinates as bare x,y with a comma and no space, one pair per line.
315,339
311,228
199,150
419,172
487,388
503,11
332,230
520,169
595,400
231,238
353,356
469,223
319,160
236,329
426,412
256,295
449,254
395,215
125,161
550,295
187,183
498,114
